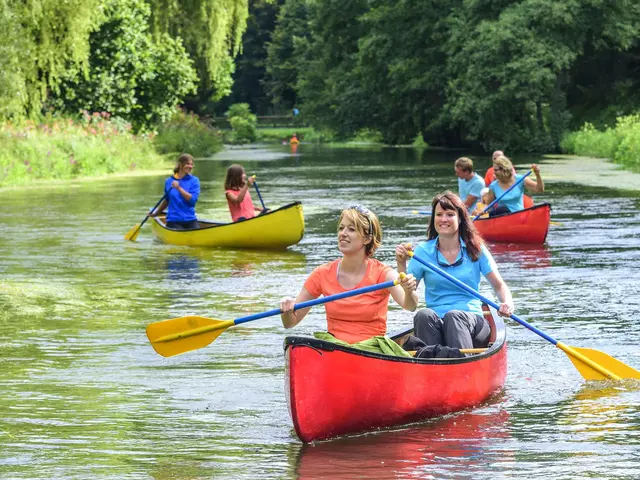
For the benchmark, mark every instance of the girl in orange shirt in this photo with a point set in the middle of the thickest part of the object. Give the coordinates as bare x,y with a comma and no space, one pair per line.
236,185
363,316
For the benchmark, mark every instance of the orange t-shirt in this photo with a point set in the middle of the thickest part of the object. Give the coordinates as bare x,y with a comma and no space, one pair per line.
243,209
354,318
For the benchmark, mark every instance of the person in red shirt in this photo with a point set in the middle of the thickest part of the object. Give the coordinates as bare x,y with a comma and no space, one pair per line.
360,317
236,185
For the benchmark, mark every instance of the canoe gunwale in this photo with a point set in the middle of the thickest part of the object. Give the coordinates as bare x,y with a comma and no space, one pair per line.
323,345
503,215
160,220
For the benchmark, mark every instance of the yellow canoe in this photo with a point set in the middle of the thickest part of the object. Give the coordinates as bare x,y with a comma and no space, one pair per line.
277,229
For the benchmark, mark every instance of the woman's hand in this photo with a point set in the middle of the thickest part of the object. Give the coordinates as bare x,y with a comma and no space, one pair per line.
536,169
506,309
287,304
175,184
408,283
402,252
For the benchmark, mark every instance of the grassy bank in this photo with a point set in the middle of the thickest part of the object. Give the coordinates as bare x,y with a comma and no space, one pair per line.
96,145
620,143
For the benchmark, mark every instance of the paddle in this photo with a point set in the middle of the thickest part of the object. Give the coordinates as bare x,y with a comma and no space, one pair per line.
259,196
592,364
180,335
133,233
503,194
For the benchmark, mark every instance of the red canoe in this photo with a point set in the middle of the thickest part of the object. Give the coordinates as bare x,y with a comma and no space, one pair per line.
334,390
530,225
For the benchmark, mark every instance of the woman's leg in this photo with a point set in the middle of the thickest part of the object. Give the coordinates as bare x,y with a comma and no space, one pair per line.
427,326
498,210
465,330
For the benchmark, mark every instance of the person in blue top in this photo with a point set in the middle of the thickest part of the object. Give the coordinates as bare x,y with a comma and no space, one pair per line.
183,190
453,317
505,178
470,184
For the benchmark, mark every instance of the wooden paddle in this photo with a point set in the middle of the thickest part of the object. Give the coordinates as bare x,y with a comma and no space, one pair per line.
133,233
592,364
180,335
503,194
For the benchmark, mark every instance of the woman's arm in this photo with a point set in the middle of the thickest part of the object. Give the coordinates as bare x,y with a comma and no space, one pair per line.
160,209
186,195
488,197
405,293
503,293
290,318
536,186
240,197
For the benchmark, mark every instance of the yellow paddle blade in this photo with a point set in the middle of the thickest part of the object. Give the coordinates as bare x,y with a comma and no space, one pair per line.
180,335
551,222
133,233
596,365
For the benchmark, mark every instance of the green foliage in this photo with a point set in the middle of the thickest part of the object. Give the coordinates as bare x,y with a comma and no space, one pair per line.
41,41
62,148
288,42
184,132
621,144
211,31
128,74
243,123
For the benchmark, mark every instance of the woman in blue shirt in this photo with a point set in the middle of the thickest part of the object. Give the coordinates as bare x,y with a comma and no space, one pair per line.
505,178
453,317
182,191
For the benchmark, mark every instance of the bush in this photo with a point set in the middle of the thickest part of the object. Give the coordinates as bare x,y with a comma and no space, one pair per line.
186,133
62,148
620,144
243,123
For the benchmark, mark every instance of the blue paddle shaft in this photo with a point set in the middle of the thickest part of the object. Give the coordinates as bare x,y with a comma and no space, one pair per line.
259,196
159,202
501,196
317,301
482,298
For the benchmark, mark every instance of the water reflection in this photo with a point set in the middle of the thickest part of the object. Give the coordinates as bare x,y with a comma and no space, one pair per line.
447,447
525,256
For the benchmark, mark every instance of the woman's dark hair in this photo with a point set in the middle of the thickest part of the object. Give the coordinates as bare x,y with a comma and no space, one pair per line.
182,160
466,229
233,179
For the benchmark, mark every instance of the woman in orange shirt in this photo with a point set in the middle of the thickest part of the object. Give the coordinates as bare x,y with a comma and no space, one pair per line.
363,316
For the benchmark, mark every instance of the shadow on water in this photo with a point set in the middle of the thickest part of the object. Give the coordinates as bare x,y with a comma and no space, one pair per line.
443,448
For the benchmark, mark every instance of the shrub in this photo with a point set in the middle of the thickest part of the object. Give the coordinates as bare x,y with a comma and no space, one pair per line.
243,123
186,133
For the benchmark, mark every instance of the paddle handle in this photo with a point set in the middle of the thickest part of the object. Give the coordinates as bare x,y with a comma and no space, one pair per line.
501,196
258,192
321,300
478,295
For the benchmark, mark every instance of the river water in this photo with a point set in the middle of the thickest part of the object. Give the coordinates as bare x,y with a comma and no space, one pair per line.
83,394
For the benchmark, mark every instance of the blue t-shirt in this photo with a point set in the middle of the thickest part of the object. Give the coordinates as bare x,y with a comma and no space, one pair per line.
512,200
442,295
179,209
473,187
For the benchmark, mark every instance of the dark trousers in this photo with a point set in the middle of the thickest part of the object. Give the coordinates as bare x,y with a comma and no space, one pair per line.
498,210
191,225
457,329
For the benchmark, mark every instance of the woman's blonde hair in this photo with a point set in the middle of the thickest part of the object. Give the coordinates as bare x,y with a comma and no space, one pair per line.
503,164
367,225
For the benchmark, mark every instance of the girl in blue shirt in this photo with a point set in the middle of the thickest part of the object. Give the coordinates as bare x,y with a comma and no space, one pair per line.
453,317
182,191
505,178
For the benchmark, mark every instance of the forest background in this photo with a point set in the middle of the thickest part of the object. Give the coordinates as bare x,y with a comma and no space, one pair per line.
88,85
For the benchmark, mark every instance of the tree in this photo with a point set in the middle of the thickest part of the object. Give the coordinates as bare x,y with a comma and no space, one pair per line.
129,75
42,41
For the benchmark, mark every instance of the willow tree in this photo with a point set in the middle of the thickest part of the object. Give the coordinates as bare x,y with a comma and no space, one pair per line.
211,31
42,40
